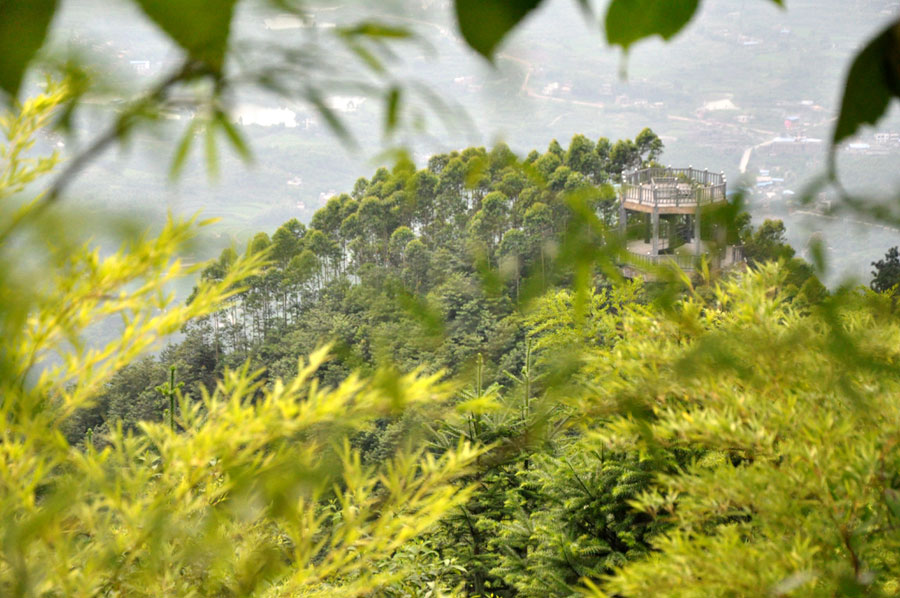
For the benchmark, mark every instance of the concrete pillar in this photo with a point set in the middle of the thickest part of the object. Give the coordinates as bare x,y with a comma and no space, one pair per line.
697,246
654,248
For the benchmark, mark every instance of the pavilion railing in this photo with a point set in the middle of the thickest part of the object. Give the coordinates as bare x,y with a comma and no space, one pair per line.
645,175
685,262
672,187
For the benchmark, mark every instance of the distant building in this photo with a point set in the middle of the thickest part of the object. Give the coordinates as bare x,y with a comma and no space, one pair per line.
793,145
141,67
550,88
822,205
289,21
345,103
250,114
725,104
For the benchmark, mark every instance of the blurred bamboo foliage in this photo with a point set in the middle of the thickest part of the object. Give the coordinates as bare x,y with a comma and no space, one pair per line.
255,490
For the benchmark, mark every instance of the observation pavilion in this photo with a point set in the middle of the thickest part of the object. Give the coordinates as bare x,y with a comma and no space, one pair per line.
661,217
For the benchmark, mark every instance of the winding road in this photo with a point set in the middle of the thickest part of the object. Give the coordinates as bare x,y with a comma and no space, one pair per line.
526,89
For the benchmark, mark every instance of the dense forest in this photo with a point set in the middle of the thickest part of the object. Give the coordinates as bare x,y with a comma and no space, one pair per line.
395,270
499,412
452,269
430,268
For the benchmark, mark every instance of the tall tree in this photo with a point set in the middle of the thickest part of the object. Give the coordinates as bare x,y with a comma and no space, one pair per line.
886,274
582,157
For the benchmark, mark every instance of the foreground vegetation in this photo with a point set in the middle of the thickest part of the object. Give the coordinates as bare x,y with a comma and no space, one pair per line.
501,415
562,431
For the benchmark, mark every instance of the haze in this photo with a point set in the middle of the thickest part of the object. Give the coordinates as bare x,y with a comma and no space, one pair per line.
747,89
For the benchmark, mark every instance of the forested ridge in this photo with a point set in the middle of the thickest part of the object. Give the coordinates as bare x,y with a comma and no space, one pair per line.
452,269
397,274
496,418
428,268
413,267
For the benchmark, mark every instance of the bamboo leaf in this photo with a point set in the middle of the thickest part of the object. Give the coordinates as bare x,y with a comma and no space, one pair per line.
331,119
392,104
373,29
212,152
182,151
234,136
366,56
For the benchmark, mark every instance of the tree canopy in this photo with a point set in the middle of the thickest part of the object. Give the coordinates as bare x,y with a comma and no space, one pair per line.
886,274
202,30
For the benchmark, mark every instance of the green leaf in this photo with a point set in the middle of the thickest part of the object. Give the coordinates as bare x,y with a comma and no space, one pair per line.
392,109
201,27
181,152
234,136
333,121
366,56
871,83
375,30
212,153
817,254
483,23
23,26
628,21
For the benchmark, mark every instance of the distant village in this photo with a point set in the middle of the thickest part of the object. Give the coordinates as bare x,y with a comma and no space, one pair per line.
725,123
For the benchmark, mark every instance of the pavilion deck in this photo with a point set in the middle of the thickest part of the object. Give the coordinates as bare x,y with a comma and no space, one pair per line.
671,190
641,254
